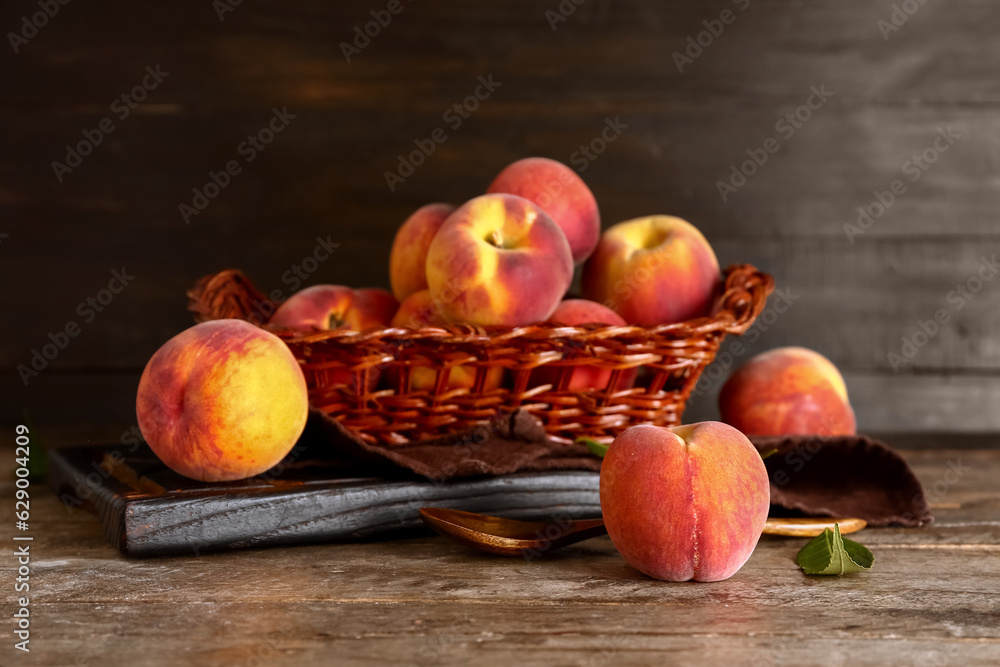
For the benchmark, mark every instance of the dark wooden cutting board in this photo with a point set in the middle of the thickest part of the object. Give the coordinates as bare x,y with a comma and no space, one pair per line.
148,510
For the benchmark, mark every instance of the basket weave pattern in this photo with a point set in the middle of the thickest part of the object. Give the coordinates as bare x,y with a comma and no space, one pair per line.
378,405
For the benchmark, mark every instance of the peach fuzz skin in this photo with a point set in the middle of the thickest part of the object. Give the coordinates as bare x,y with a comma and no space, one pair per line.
419,310
408,258
684,503
561,193
788,391
221,401
323,307
574,312
334,306
499,260
653,270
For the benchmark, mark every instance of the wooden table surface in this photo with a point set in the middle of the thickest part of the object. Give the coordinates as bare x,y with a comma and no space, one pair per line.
933,598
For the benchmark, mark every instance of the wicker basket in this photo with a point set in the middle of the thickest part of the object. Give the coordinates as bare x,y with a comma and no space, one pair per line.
378,405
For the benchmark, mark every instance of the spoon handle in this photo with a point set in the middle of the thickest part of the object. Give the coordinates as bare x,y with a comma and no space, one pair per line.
788,527
810,526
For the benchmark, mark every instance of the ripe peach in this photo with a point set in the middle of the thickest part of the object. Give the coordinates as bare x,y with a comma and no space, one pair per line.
419,310
408,258
687,502
222,400
582,311
561,193
499,259
335,306
788,391
653,270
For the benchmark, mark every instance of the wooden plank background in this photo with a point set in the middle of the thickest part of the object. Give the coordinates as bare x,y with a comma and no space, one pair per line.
323,176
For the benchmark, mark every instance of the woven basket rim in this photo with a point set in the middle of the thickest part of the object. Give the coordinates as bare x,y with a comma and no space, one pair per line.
725,318
376,402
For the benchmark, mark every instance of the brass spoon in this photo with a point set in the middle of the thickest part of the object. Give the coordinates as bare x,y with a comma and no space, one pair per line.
510,537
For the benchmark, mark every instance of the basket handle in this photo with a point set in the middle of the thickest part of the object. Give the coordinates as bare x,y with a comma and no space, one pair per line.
744,296
229,294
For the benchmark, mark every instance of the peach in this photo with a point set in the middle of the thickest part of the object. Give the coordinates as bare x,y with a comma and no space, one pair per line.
561,193
499,259
335,306
788,391
653,270
223,400
408,258
687,502
582,311
419,310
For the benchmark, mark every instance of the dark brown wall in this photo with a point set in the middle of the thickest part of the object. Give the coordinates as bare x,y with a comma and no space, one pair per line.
323,175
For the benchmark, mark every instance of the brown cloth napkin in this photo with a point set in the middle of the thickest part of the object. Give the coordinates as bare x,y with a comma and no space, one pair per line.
850,476
820,476
515,443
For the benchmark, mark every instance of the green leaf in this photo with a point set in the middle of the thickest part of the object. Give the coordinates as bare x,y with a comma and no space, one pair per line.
859,554
596,448
770,452
830,553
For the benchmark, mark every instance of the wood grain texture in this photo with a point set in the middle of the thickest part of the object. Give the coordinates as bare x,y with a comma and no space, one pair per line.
148,510
323,177
291,51
929,600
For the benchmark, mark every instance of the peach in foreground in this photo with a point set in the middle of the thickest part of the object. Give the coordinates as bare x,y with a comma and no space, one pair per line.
221,401
683,503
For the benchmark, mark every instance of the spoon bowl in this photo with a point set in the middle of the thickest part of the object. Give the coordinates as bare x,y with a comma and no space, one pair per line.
508,537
